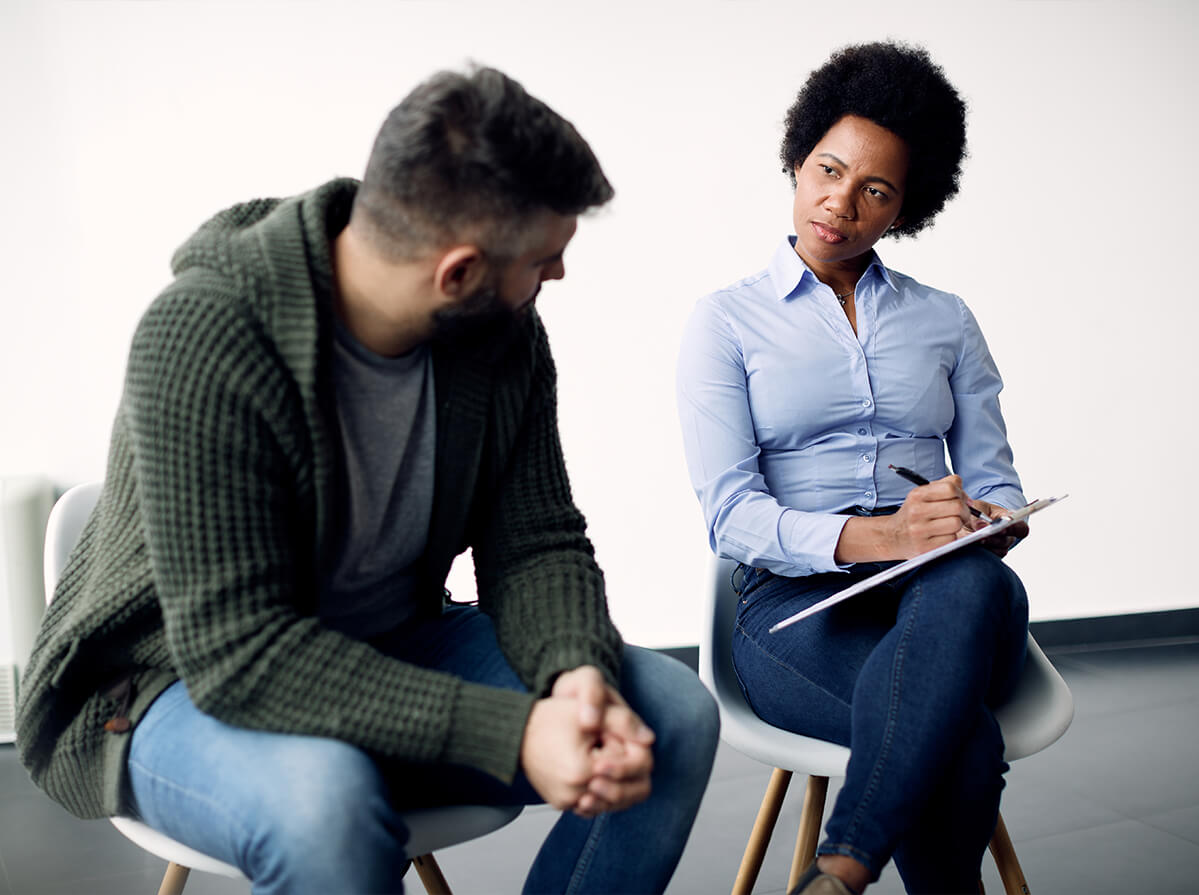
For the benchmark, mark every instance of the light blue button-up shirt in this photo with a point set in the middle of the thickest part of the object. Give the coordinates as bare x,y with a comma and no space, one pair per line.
788,416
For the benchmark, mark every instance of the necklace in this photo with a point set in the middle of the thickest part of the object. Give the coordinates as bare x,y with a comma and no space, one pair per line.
841,296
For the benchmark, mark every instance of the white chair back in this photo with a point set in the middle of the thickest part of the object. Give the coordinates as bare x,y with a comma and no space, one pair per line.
63,528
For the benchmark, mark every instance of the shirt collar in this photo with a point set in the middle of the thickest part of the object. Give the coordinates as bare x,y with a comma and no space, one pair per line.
792,278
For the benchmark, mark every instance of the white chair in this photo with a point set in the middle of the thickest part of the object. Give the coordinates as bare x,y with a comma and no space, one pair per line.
1038,714
430,829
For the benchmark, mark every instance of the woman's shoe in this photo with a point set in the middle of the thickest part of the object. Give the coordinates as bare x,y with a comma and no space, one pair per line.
813,882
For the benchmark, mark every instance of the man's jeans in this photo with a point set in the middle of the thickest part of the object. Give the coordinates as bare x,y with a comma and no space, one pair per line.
905,675
302,814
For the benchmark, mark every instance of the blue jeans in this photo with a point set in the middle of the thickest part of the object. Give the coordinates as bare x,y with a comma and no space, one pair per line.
906,676
303,814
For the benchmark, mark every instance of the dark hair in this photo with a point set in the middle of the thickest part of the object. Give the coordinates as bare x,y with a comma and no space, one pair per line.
473,155
898,87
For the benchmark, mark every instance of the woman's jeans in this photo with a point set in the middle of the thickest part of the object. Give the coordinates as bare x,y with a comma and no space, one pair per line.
905,675
302,814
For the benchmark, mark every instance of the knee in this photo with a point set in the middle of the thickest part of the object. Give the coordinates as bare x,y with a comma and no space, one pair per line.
670,698
981,588
333,817
694,720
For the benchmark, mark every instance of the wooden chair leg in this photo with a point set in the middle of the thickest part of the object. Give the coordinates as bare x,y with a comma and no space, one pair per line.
431,875
1005,859
173,880
768,815
809,828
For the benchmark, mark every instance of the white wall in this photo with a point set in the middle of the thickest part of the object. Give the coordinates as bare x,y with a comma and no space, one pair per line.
127,123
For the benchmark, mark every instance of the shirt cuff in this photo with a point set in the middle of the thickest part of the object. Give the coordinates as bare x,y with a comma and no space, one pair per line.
1005,496
811,540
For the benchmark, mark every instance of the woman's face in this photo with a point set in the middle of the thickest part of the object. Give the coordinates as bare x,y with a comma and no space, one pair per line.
848,192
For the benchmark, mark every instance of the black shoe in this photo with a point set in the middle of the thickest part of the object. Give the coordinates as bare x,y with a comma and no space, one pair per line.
813,882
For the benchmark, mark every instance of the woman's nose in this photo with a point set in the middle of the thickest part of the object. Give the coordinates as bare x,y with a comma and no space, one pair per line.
839,202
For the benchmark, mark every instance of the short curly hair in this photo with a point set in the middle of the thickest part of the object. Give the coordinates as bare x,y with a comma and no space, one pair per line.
899,87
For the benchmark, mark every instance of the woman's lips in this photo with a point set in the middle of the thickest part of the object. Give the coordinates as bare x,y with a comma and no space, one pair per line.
828,234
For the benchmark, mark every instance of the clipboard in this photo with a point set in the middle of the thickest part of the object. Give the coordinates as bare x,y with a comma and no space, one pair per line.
915,562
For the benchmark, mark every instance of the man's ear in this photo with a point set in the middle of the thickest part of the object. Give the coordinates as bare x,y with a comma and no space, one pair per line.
461,270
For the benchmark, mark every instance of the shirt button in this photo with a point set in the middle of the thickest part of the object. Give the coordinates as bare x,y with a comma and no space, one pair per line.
865,402
866,457
869,494
861,431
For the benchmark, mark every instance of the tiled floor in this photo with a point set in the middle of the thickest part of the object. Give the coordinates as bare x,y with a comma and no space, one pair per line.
1111,808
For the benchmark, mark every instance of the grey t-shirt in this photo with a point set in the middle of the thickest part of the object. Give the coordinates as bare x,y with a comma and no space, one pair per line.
387,412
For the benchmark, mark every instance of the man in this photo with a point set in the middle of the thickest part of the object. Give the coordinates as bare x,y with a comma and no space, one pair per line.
251,648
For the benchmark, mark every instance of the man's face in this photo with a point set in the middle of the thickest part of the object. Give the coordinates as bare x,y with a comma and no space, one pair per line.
496,307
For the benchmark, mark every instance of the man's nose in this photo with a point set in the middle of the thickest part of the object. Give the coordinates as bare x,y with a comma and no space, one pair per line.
555,271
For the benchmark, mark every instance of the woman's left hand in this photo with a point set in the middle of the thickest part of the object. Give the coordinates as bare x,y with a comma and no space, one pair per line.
1006,539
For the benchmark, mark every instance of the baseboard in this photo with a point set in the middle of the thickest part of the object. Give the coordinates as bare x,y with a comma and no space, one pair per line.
1132,629
688,655
1167,626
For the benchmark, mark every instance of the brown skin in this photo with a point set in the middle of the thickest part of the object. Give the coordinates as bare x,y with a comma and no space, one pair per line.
848,193
583,748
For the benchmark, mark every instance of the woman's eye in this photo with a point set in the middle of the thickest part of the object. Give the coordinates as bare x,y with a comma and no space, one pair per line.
827,169
875,192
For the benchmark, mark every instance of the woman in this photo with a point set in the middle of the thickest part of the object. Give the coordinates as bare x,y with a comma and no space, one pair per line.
799,387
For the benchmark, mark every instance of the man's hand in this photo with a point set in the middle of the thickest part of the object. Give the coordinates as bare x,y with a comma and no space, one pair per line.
556,753
614,769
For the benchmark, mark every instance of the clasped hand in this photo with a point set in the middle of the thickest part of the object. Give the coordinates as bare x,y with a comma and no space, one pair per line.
584,749
939,512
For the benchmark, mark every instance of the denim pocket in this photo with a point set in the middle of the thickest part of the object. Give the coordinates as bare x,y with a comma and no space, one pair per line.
751,579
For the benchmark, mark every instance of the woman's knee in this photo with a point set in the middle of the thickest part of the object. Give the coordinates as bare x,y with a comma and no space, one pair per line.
980,587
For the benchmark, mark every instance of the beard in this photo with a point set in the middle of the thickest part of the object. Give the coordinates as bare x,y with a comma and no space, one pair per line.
481,320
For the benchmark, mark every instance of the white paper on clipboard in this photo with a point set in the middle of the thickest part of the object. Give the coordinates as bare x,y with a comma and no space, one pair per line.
895,571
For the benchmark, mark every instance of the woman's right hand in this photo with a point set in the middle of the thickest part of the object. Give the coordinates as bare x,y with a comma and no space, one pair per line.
931,515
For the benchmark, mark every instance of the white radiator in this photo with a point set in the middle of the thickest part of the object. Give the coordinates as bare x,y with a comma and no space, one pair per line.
25,504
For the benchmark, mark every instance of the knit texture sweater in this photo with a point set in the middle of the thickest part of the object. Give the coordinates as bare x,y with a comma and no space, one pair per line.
203,558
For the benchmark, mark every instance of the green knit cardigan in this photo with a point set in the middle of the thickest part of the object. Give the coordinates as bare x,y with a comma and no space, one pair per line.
202,559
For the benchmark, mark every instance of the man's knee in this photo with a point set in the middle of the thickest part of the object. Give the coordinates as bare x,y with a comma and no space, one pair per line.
334,817
671,699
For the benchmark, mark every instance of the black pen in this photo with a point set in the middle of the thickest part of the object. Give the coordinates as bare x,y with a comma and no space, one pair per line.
917,479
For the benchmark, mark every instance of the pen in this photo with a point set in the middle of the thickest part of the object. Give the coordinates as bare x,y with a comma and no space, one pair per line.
917,479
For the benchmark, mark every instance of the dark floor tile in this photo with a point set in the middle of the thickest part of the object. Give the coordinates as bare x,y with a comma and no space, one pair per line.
13,779
1114,859
731,764
1183,823
499,862
5,886
1034,806
1135,763
1115,680
44,846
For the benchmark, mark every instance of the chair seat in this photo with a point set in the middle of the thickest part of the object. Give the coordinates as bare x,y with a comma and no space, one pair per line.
431,829
750,735
168,849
